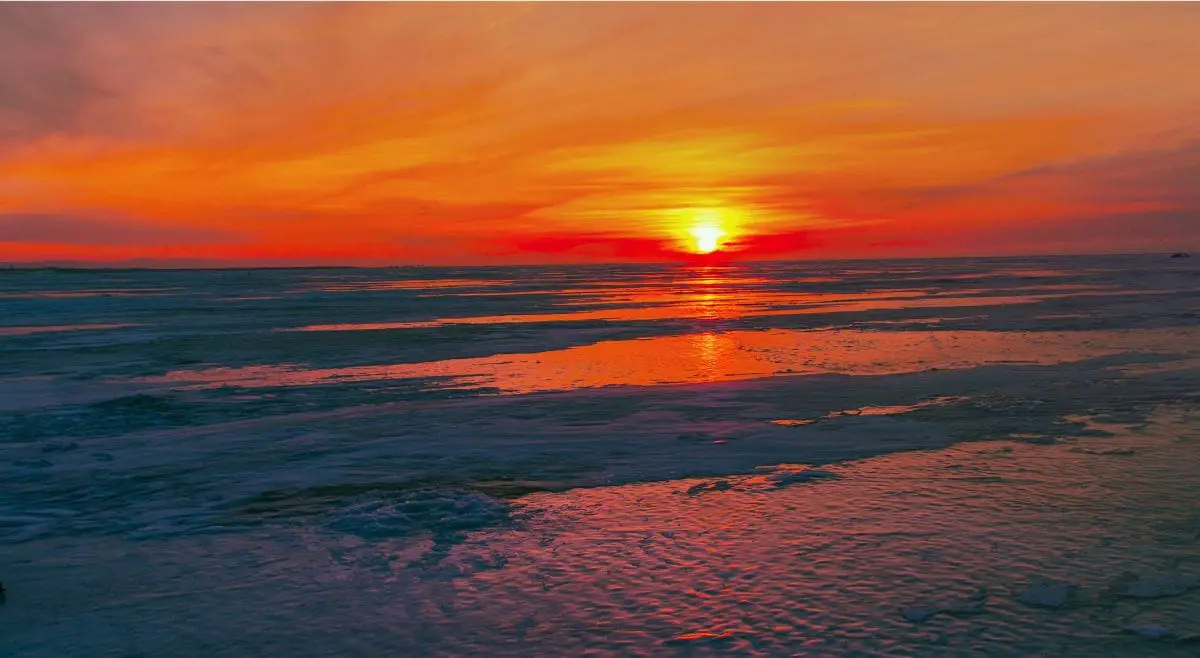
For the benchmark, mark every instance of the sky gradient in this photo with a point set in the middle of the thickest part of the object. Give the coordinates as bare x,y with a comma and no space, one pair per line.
536,133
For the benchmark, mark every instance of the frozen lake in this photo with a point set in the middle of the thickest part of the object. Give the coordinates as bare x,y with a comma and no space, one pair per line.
835,458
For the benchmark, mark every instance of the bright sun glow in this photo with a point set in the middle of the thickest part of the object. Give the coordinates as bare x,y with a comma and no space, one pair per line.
707,231
706,239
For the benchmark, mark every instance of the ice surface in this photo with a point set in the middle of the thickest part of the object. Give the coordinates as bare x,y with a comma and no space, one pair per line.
672,458
193,405
1170,584
446,514
1158,632
784,478
1049,595
24,331
648,570
975,605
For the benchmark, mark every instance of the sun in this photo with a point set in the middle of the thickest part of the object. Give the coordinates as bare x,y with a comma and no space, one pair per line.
706,238
706,229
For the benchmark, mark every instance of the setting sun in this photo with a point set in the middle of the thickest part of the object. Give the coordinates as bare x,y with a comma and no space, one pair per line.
707,230
706,239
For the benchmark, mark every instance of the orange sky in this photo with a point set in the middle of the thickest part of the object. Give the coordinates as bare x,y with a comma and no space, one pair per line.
542,132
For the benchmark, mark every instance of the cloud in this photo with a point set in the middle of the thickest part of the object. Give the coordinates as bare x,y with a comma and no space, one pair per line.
34,228
589,131
44,87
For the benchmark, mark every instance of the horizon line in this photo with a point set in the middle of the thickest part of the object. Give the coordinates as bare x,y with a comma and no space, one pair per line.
216,263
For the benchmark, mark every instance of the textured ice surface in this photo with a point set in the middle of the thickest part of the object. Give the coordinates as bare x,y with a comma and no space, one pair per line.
1049,595
926,553
547,461
445,514
1170,584
1157,632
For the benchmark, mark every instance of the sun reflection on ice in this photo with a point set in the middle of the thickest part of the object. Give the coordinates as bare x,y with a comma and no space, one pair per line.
710,352
709,356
